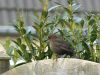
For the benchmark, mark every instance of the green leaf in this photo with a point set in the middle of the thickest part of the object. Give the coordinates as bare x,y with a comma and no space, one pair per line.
42,55
44,14
23,31
19,41
16,56
36,26
58,4
76,7
41,25
54,7
93,34
10,50
61,32
21,23
8,43
82,23
19,52
48,24
23,47
68,10
16,43
89,17
70,2
92,22
27,57
86,52
35,44
19,64
85,46
49,52
16,28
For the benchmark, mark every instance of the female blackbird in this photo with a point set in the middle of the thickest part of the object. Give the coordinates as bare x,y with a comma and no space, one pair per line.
59,46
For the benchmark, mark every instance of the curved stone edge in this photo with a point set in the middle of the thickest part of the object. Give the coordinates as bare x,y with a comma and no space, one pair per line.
61,66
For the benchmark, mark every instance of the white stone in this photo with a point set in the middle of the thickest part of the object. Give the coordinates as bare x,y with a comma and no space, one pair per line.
61,66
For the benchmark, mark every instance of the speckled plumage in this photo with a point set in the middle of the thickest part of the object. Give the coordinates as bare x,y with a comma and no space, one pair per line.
59,46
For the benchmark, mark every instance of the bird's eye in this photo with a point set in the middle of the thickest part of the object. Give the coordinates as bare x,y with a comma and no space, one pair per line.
52,37
49,37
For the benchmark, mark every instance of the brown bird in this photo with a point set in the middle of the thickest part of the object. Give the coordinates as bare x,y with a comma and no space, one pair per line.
59,46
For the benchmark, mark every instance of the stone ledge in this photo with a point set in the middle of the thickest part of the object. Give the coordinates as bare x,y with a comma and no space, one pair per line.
4,56
63,66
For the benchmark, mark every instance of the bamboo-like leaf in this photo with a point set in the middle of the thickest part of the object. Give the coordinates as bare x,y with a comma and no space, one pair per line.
23,31
85,46
54,7
92,21
16,43
16,55
70,2
35,45
23,47
68,10
82,23
93,34
19,41
18,51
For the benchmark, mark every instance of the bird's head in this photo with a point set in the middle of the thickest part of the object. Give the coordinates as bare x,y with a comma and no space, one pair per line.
52,37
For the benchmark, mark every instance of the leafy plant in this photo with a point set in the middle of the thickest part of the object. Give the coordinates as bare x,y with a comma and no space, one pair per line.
81,30
22,47
29,46
82,33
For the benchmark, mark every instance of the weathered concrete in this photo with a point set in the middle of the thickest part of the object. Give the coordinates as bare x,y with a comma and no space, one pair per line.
3,54
60,67
4,60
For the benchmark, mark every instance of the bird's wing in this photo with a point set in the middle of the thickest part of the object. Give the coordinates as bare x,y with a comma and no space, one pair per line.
64,45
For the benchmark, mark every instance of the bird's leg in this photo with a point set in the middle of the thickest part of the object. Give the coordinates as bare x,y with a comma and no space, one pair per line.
55,56
63,56
68,56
